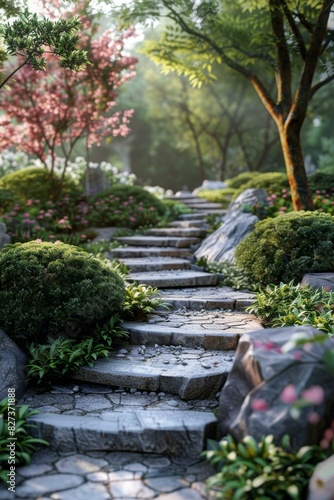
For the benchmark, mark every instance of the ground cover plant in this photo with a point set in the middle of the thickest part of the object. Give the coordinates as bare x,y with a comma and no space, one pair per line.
287,304
254,470
25,444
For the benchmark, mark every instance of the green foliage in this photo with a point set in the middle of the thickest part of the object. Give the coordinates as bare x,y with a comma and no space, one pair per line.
25,444
32,183
287,304
223,196
322,181
230,274
6,200
59,358
251,470
140,300
55,289
173,210
127,206
270,181
287,247
241,179
29,36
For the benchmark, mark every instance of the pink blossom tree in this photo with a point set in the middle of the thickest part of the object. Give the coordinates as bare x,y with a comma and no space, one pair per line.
50,111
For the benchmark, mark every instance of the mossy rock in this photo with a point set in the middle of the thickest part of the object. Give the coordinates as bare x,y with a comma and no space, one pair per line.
223,196
270,181
55,289
286,247
241,179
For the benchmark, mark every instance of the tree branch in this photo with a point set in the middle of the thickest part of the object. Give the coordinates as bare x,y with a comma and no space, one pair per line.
295,30
320,84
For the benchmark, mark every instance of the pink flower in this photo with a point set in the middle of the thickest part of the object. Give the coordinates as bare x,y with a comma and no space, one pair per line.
297,355
314,394
313,418
289,394
259,405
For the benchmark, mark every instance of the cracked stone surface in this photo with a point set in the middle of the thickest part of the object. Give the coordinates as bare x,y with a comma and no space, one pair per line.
208,329
207,298
172,279
190,373
121,475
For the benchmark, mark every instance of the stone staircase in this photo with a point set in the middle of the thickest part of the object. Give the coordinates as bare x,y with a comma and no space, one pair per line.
157,393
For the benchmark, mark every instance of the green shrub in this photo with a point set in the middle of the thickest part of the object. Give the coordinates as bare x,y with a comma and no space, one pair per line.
241,179
251,470
270,181
55,289
25,445
6,200
174,209
289,304
321,181
32,183
287,247
140,300
223,196
126,206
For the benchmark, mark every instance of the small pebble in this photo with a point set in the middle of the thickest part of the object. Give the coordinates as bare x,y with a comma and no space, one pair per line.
152,393
173,403
184,363
166,362
75,388
205,365
137,393
133,390
122,351
161,395
121,356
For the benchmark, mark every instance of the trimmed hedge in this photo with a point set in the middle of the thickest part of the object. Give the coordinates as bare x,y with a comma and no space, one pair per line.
55,289
286,247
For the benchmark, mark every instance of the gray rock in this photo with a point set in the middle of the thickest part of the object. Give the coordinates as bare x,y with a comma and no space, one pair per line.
237,224
4,237
259,375
12,361
319,280
95,180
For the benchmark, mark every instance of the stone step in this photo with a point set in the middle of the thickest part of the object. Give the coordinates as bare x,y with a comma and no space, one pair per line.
184,198
189,373
207,298
104,419
130,252
195,216
210,211
208,329
191,232
142,264
188,224
203,205
173,279
158,241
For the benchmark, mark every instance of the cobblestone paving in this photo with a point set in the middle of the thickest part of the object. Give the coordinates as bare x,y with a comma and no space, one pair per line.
109,475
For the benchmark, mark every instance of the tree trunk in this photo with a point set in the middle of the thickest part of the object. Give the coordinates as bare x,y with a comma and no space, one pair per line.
294,162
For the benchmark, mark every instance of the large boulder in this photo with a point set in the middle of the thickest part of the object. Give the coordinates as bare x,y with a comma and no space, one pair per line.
252,401
237,224
12,361
319,280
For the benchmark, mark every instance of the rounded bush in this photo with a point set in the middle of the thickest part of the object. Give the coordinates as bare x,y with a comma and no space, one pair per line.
241,179
31,183
55,289
286,247
270,181
321,181
126,206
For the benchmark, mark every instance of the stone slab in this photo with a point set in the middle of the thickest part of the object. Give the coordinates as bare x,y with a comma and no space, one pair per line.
125,252
210,330
172,432
193,216
158,241
188,223
190,373
207,298
172,279
191,232
141,264
203,205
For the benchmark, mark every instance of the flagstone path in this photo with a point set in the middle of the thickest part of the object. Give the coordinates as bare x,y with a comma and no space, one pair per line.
134,425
